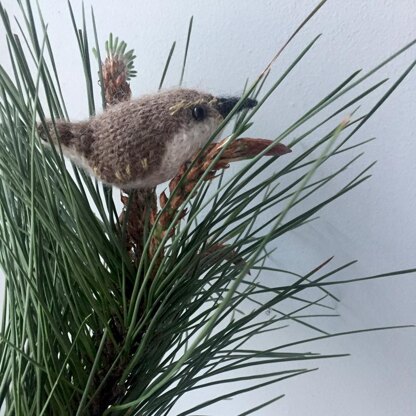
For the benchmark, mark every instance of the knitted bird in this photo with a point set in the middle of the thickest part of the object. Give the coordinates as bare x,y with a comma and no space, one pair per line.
142,143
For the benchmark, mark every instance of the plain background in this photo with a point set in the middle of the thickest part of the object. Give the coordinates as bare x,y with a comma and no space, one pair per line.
233,40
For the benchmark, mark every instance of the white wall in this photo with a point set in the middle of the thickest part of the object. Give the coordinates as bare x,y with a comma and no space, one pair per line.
375,224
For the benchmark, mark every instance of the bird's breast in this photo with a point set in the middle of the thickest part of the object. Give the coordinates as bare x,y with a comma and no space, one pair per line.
178,149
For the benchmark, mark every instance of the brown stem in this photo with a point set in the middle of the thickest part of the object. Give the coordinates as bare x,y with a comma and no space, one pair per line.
138,205
240,149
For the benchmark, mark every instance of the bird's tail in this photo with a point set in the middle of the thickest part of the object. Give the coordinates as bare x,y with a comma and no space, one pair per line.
75,139
54,132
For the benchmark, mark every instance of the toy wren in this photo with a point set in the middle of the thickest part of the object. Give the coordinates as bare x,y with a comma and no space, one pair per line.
142,143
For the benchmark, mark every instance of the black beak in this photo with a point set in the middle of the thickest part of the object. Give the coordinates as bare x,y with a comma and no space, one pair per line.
226,104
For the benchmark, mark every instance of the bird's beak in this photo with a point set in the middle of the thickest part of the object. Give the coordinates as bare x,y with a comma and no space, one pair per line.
226,104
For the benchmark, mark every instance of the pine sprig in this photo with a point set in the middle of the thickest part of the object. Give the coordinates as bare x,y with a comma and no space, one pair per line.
116,71
117,51
86,330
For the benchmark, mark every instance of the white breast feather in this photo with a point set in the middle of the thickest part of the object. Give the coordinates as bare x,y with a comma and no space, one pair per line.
180,149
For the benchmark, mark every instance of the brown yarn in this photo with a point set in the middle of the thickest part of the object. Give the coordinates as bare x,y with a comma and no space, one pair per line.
127,142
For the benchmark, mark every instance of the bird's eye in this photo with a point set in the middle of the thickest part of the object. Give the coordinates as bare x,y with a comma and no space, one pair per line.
198,113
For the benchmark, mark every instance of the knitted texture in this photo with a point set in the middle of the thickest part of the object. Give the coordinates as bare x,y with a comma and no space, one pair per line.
128,141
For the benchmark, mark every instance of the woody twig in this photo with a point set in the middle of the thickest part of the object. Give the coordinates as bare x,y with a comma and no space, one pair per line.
240,149
115,71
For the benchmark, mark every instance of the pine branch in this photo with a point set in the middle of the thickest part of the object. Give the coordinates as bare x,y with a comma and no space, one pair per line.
124,314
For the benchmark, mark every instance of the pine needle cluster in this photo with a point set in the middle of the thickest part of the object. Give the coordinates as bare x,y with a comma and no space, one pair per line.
123,312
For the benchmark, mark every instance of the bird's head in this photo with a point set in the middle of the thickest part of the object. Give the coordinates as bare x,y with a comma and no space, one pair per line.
197,107
195,114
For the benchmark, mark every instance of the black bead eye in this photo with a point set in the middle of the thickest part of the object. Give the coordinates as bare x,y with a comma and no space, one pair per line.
198,113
